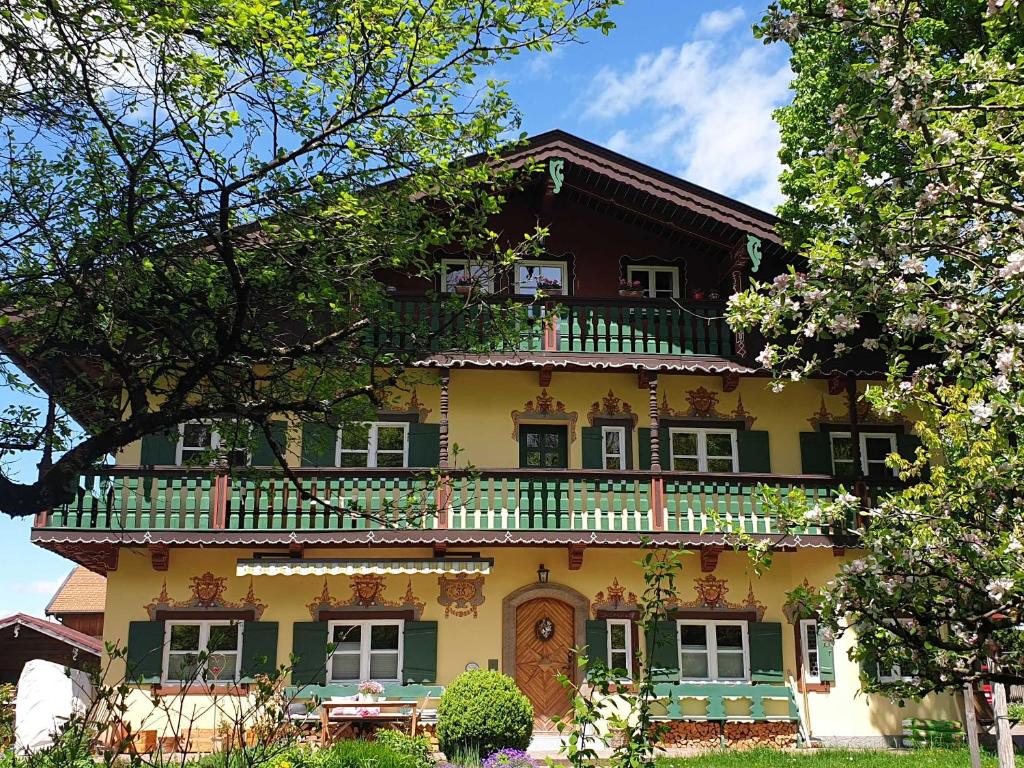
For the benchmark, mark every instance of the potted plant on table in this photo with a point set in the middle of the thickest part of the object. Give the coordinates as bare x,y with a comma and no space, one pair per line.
549,285
631,290
370,690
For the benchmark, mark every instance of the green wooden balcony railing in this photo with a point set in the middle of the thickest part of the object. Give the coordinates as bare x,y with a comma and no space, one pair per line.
726,701
566,324
199,499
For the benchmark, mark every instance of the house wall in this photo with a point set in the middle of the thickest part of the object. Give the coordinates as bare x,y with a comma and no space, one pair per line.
842,715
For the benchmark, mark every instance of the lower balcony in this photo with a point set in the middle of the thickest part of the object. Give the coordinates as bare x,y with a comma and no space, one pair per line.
133,499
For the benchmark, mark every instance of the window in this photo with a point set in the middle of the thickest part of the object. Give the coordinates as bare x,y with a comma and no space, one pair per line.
703,450
197,438
533,274
373,444
613,447
713,650
874,447
809,650
453,269
657,282
620,646
365,650
184,641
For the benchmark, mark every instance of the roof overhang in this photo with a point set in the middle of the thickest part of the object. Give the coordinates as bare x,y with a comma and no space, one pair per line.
362,566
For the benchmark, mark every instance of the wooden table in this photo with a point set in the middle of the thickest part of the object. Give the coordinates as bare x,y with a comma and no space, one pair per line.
352,717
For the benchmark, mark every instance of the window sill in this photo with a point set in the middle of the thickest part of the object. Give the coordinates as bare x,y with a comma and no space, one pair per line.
803,687
201,689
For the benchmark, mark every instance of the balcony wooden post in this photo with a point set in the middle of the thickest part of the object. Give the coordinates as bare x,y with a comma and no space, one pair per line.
652,408
443,498
860,488
442,459
221,493
550,326
657,482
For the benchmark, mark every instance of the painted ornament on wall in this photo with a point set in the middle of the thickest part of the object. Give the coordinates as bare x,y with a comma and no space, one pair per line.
207,594
545,409
611,407
461,594
865,415
412,406
615,600
703,405
711,596
367,592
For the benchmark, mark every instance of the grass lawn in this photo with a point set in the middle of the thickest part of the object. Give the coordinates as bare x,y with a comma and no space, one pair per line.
922,758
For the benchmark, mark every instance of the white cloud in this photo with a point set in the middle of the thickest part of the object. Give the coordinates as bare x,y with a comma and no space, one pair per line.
717,22
703,111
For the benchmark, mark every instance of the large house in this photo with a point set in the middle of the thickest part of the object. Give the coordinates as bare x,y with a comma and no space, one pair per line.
634,414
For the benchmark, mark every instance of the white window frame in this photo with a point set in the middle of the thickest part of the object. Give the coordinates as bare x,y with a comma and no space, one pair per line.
621,455
702,447
560,264
651,269
627,624
179,448
712,648
371,438
466,264
864,436
364,648
806,651
204,639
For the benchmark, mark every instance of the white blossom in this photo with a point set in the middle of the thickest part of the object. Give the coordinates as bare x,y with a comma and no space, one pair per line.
1014,265
999,588
981,413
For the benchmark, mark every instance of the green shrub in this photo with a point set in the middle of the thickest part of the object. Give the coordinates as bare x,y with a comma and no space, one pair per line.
359,754
416,748
7,694
483,711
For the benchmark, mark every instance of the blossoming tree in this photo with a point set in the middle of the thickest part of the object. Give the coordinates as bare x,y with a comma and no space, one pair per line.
905,186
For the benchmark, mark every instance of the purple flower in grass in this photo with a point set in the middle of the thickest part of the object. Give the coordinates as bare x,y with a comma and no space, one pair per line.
510,758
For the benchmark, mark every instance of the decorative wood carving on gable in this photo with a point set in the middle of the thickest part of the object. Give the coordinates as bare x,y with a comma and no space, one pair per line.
576,556
616,599
730,381
711,596
709,557
160,556
611,407
546,408
461,594
836,384
367,592
704,407
207,595
98,558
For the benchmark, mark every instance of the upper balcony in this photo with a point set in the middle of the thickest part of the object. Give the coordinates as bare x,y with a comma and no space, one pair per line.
135,505
570,325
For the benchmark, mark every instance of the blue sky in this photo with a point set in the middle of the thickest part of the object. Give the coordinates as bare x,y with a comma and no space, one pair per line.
680,85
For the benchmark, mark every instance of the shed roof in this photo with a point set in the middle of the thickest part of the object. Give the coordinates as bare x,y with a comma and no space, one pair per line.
82,592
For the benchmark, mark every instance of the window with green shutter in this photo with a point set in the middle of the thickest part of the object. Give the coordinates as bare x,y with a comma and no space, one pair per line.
643,440
597,643
663,650
309,653
263,455
590,440
424,445
160,448
816,453
259,648
419,652
319,442
145,655
766,652
755,454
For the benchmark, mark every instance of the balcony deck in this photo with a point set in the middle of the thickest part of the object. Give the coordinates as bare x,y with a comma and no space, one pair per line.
136,499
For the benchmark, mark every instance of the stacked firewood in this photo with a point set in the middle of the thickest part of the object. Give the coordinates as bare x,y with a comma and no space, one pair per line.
752,735
692,736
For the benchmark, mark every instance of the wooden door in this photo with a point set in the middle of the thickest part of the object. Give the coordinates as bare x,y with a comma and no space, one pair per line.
545,637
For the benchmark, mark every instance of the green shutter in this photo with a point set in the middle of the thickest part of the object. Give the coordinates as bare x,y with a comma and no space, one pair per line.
145,658
755,455
597,643
262,455
591,444
643,436
309,652
826,658
419,654
766,652
663,650
318,444
160,448
259,648
906,446
816,453
424,445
